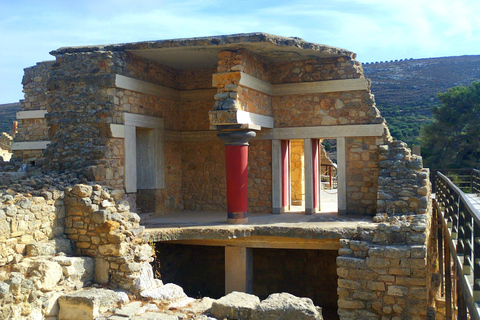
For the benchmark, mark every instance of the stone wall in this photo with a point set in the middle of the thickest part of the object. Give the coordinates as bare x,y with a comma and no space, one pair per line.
32,130
260,176
362,174
403,184
203,175
34,83
383,273
316,70
26,219
80,112
327,109
102,227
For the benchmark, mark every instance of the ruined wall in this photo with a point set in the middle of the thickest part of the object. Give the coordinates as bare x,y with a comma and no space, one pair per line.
34,82
25,220
383,273
80,113
102,227
403,184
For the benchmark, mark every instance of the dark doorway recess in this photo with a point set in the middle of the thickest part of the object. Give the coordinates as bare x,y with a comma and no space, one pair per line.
303,273
199,270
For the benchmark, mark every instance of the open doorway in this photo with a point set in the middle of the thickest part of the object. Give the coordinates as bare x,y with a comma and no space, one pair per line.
308,177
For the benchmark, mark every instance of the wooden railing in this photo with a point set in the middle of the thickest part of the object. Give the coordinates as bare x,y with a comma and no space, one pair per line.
458,248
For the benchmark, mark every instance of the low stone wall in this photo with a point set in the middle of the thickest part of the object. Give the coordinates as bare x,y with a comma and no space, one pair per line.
102,227
384,271
28,219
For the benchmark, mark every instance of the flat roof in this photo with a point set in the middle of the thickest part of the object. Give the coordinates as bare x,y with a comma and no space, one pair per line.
201,52
201,226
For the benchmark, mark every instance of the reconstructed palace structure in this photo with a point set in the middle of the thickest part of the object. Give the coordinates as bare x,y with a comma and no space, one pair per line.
211,124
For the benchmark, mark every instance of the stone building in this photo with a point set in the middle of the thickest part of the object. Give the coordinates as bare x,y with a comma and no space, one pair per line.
210,124
145,117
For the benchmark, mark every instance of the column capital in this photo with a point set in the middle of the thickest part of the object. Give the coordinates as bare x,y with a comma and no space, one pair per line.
237,137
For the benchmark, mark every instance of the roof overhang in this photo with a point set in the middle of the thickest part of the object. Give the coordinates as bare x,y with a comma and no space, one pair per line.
198,53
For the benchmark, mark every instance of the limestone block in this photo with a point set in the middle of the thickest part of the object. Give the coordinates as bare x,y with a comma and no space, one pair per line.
117,250
50,306
82,190
145,280
398,291
86,304
78,268
49,248
350,262
4,289
101,274
50,274
286,306
168,293
235,305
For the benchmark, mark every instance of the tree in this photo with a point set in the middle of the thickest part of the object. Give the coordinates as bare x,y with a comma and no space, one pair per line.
452,140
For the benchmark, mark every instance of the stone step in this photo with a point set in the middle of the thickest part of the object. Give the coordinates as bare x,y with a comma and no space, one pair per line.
88,304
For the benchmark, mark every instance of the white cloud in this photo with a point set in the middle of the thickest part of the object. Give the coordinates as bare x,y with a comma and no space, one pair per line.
375,29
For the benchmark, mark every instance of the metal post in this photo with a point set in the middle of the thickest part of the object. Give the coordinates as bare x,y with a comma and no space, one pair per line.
448,280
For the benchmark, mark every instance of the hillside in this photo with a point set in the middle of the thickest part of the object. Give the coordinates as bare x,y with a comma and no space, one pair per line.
7,116
406,90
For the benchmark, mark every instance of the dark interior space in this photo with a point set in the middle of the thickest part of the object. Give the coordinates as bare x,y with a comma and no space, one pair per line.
199,270
303,273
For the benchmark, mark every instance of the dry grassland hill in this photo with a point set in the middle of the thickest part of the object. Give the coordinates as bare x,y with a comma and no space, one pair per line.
405,90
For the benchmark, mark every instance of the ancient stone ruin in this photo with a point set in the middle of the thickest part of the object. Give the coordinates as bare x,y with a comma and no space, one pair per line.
209,149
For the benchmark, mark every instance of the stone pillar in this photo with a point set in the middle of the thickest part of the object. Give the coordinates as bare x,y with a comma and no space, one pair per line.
236,157
238,269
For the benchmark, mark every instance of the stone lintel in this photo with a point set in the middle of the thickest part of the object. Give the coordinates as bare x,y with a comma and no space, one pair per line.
320,87
324,132
31,114
30,145
236,117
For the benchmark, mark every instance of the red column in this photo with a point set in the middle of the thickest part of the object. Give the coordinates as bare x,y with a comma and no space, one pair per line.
236,157
315,174
285,179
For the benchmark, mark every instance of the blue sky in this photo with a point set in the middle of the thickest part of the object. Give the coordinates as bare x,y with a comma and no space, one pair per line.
377,30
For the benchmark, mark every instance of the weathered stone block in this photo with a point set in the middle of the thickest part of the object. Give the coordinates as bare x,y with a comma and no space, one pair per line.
82,190
86,304
286,306
350,262
101,274
235,305
349,284
398,291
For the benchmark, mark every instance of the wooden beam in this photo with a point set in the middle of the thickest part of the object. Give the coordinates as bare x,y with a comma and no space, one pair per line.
266,242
